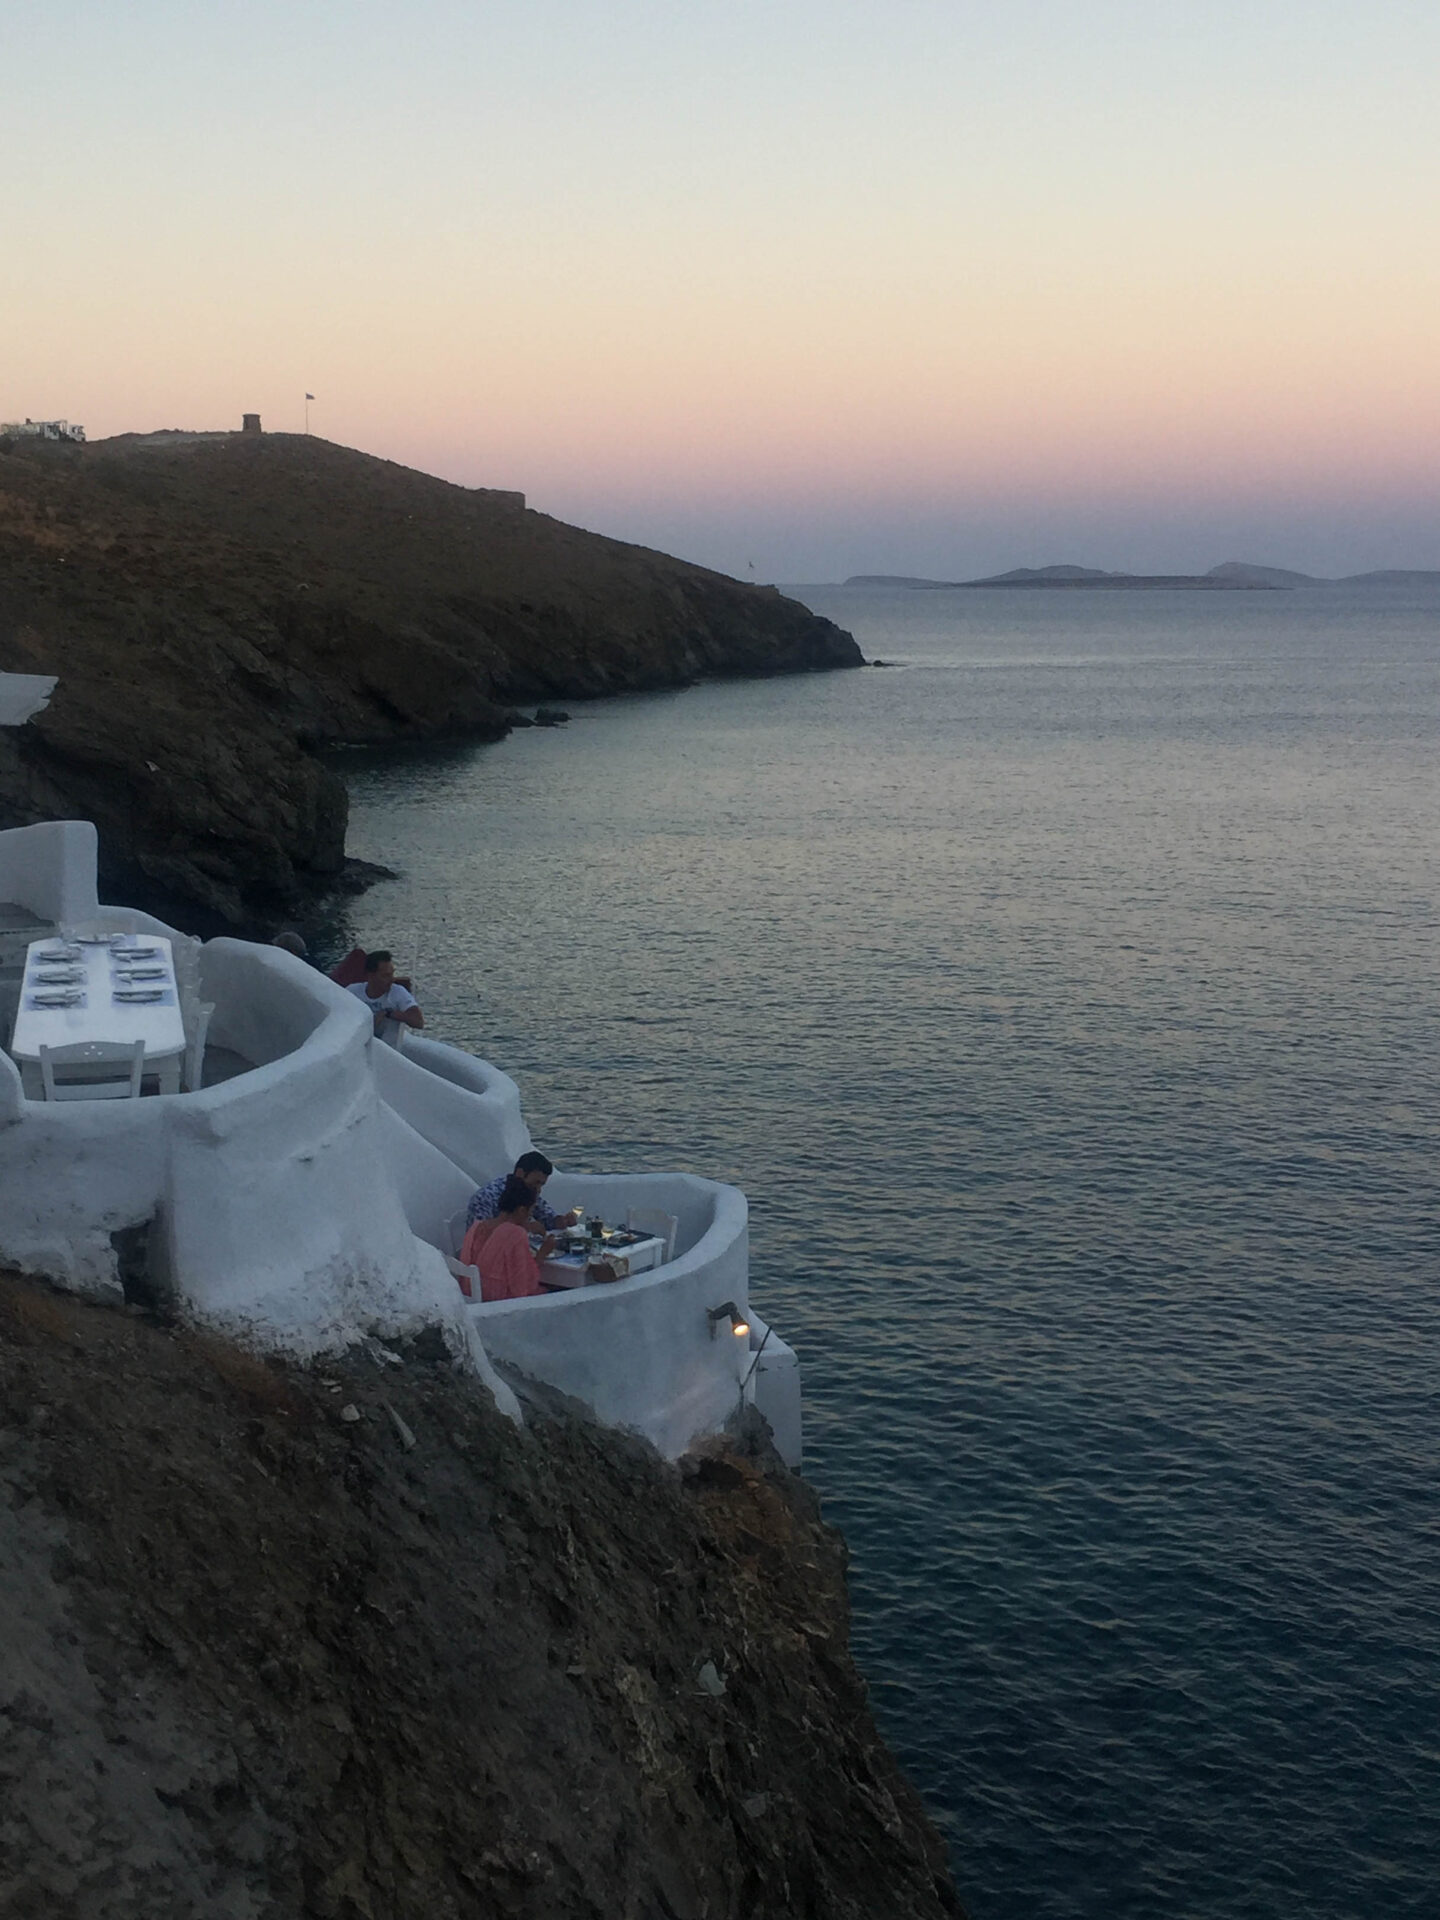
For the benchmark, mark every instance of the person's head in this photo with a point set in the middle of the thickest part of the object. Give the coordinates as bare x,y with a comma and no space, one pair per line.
517,1197
379,972
289,941
534,1169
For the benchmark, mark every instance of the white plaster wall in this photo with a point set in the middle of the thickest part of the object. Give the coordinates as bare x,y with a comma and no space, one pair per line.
70,1176
431,1187
267,1002
12,1092
283,1216
640,1353
301,1204
22,696
774,1389
50,868
276,1212
465,1107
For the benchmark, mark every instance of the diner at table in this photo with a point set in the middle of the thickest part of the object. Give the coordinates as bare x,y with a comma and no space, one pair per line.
534,1169
515,1258
499,1247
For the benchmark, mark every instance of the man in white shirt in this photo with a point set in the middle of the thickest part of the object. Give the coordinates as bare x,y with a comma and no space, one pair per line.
392,1005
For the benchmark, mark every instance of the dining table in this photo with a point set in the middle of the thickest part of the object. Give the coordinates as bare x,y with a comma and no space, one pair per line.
117,990
578,1262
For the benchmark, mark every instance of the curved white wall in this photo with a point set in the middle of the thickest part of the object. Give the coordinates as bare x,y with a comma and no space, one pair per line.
465,1107
283,1217
640,1353
301,1204
273,1207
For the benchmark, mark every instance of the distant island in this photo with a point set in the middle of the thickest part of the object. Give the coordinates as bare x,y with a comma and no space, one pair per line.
1233,576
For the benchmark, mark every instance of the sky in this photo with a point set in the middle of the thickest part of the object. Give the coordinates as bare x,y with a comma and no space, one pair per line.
795,288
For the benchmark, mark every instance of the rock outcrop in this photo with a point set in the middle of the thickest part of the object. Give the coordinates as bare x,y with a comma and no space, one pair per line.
347,1645
219,606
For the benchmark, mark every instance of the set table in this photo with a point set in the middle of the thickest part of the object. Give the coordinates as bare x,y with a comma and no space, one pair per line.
117,990
623,1253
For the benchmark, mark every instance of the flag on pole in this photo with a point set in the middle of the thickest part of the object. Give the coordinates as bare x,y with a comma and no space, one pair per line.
309,396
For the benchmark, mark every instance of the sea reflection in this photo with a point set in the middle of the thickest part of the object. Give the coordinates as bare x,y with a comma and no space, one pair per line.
1066,1005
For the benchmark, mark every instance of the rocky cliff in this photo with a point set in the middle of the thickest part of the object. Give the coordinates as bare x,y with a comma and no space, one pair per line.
219,605
344,1644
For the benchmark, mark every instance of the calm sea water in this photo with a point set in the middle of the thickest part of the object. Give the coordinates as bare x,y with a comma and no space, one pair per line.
1065,999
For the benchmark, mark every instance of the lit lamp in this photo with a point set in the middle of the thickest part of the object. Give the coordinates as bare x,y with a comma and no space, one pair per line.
728,1311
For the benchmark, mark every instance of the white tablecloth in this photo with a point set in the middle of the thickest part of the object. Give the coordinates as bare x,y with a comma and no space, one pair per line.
99,1016
571,1269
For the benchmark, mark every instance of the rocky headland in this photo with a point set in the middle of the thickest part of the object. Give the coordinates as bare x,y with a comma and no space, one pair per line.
1230,576
221,607
342,1643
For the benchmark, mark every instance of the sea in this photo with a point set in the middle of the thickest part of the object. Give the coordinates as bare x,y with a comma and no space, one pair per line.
1064,996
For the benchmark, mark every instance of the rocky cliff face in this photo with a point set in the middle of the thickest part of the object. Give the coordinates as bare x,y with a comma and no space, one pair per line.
279,1644
217,605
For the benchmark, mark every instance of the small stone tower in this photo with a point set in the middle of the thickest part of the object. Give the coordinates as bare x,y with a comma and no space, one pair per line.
250,423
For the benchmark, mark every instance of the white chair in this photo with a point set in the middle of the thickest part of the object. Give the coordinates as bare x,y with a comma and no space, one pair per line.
195,1047
662,1226
468,1278
94,1070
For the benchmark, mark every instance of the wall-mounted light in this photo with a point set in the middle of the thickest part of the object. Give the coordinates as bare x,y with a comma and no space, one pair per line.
728,1311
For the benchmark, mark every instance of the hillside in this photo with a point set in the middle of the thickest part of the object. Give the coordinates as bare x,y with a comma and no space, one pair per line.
344,1644
1234,575
1221,579
218,605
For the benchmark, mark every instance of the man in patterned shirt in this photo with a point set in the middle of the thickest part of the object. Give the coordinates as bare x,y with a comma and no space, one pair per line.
534,1169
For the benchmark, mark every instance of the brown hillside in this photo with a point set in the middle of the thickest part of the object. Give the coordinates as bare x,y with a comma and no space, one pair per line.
343,1644
216,604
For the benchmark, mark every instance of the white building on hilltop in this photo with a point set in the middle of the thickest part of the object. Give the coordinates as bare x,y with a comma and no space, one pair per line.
42,429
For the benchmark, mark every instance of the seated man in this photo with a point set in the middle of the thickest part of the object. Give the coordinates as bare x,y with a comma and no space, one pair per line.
392,1005
499,1248
534,1169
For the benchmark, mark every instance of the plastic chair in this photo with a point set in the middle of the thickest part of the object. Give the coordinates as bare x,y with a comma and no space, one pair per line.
468,1277
109,1070
651,1220
195,1048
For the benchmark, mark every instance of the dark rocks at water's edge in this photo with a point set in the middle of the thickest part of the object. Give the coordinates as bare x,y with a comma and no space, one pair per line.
342,1640
218,607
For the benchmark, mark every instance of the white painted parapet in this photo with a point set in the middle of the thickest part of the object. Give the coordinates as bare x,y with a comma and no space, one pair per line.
465,1107
282,1217
50,869
305,1202
70,1176
641,1353
272,1207
774,1389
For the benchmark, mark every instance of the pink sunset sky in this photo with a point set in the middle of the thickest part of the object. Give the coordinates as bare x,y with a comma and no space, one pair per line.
833,288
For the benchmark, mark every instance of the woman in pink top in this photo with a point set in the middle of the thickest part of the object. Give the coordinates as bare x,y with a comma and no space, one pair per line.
500,1248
